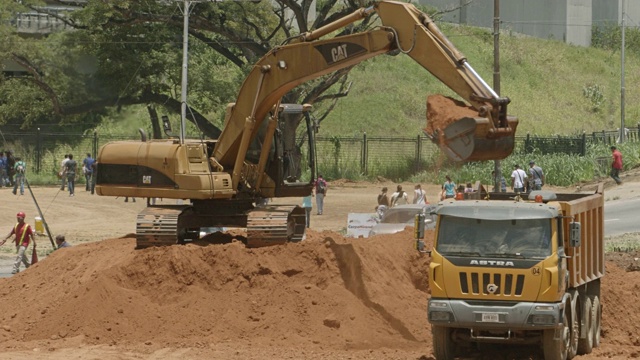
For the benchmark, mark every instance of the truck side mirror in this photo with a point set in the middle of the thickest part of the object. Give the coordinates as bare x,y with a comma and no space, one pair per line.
574,236
418,224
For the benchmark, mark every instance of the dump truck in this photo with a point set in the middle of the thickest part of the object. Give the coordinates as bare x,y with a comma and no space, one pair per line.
518,269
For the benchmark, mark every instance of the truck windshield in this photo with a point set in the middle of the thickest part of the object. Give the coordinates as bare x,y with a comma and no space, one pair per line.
526,238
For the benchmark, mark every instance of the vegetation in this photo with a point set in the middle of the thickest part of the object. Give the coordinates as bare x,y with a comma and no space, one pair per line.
555,88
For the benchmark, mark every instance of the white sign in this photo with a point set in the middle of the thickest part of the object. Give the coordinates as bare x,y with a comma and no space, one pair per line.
359,224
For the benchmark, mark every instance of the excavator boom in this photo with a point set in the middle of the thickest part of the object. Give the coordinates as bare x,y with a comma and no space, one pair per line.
404,28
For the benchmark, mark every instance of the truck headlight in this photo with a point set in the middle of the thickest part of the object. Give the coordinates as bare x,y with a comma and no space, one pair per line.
542,319
440,316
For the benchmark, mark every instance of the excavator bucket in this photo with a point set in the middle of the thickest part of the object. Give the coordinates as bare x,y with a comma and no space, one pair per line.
463,135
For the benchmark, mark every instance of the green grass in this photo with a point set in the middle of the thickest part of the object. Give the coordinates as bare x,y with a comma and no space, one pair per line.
544,79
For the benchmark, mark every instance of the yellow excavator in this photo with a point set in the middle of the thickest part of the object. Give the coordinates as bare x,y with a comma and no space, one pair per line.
224,179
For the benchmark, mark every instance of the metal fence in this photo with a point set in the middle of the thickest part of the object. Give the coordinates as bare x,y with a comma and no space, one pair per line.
347,157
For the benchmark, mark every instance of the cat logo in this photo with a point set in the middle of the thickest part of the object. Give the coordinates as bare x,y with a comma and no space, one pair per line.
335,53
339,53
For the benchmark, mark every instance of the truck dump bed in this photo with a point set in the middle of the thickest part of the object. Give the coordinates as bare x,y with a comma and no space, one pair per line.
586,262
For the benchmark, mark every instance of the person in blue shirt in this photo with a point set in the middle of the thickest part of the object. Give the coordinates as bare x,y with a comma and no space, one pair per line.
87,169
3,170
448,189
308,206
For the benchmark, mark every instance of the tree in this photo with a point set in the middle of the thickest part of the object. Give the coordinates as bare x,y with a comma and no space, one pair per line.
129,52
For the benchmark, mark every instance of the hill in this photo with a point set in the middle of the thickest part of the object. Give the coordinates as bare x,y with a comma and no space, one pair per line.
555,88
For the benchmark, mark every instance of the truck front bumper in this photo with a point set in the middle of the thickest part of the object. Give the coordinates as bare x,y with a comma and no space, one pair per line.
495,314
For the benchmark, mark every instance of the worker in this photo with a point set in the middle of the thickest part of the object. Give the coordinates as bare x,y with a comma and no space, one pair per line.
23,234
61,242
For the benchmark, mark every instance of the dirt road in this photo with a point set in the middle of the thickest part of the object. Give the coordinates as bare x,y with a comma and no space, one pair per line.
329,297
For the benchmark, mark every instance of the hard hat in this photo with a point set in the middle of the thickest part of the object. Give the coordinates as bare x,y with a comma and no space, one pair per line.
21,215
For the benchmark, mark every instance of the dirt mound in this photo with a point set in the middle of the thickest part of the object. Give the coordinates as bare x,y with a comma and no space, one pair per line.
342,293
331,296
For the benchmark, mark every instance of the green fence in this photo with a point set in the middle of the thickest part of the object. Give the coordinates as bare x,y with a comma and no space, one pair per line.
341,157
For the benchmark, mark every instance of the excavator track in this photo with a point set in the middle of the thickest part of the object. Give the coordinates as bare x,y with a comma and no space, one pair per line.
272,225
158,226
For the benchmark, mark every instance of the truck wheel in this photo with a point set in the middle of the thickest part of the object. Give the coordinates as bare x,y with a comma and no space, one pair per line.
574,323
443,345
596,310
556,349
585,346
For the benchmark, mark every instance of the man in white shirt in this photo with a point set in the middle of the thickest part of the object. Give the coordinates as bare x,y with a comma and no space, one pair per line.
62,173
518,178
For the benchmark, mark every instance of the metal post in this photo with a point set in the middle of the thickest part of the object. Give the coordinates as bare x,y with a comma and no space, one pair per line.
496,80
38,151
622,90
365,155
185,62
95,144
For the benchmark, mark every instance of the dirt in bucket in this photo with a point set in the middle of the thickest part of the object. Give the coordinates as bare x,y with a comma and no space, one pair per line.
443,111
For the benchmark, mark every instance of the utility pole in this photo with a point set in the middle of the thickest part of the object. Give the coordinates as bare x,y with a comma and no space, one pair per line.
185,69
622,90
496,81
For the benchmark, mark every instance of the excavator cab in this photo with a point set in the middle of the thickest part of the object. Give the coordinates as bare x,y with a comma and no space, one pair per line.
466,134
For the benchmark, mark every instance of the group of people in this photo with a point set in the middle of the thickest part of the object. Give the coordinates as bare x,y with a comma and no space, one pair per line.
23,236
69,172
399,197
12,171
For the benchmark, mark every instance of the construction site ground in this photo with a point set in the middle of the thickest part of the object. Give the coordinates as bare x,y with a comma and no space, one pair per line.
327,297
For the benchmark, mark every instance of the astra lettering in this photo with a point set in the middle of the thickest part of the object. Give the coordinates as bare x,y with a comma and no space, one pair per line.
492,263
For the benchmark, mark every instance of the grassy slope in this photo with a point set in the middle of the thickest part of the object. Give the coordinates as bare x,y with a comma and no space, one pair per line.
543,78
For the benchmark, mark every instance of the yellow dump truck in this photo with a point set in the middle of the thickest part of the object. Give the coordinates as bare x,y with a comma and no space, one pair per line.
520,270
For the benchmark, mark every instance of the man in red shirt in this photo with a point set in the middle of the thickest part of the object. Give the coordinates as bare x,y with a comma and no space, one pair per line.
616,165
23,234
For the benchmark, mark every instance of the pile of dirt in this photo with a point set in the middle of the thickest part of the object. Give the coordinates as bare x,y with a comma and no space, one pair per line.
328,293
327,290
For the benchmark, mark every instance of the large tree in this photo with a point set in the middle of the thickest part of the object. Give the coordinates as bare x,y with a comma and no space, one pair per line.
117,53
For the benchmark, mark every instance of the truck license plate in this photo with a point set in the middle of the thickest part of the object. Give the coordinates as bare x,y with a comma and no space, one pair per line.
490,317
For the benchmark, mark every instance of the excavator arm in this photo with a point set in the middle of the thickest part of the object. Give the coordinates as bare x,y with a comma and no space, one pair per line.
489,135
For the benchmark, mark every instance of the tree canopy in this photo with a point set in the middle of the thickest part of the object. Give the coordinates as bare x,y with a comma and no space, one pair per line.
118,53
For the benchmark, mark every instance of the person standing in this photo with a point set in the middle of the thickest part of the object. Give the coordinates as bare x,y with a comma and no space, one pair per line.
468,189
321,192
3,169
536,180
23,234
518,178
63,169
399,197
448,189
70,169
19,169
308,206
383,197
419,195
503,182
87,168
616,164
11,164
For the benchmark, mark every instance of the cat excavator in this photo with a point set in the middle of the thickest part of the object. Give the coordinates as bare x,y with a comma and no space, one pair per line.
225,179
